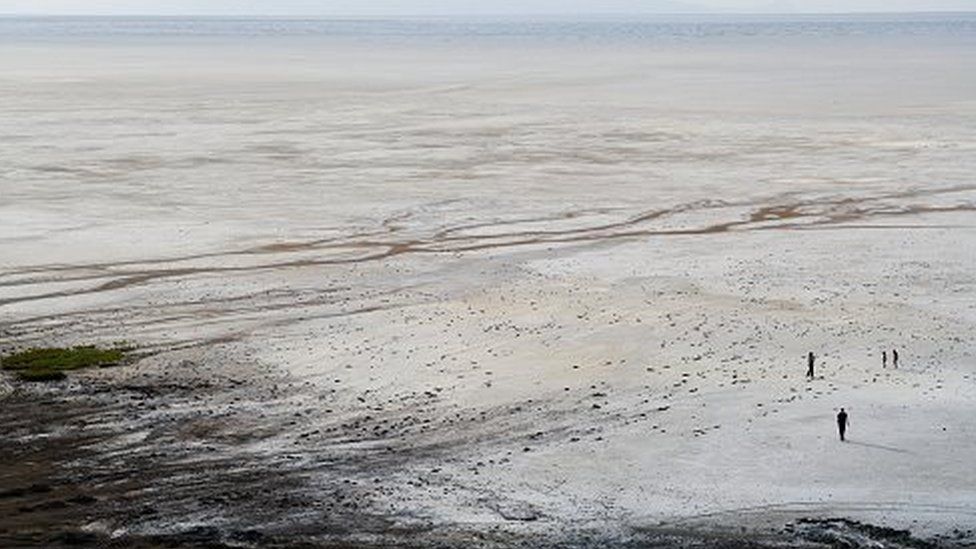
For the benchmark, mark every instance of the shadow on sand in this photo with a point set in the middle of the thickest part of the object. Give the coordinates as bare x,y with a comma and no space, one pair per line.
878,446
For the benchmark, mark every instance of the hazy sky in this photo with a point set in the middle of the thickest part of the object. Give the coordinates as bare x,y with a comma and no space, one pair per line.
425,7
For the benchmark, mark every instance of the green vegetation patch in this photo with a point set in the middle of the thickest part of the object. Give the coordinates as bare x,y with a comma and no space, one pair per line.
50,364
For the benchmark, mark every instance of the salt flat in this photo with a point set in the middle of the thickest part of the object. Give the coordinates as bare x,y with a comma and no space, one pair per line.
532,287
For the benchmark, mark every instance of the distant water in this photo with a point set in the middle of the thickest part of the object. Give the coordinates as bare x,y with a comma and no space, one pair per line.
198,134
596,30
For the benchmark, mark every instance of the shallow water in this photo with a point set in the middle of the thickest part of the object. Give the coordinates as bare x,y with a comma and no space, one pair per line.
189,129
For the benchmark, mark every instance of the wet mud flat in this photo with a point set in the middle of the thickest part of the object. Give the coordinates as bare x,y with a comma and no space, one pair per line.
90,464
99,463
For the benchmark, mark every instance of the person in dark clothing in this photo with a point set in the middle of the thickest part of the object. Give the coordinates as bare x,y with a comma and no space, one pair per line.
884,359
894,358
810,360
842,423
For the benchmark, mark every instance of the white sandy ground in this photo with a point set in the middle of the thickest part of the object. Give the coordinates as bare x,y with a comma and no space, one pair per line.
599,310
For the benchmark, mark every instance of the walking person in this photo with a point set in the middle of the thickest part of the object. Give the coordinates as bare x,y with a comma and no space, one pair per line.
884,359
842,423
810,361
894,358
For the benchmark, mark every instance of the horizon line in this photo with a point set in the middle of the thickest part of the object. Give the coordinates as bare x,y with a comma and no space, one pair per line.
484,15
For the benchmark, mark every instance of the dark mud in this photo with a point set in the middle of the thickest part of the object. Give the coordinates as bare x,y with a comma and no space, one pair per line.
100,464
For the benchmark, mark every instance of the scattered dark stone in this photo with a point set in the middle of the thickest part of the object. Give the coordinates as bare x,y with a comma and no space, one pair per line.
247,536
15,493
201,534
40,488
45,506
516,511
82,499
77,538
850,534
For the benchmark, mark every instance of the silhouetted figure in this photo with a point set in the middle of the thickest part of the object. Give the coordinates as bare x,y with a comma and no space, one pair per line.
894,358
884,359
842,423
810,365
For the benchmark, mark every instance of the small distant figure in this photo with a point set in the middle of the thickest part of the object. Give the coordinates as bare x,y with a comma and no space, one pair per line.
810,361
894,358
842,423
884,359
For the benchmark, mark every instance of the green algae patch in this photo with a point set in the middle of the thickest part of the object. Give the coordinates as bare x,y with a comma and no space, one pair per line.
50,364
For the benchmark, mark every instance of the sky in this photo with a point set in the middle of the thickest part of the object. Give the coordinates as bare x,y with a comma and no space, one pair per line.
475,7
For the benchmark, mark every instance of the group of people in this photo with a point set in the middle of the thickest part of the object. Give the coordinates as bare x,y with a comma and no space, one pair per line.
842,419
811,359
894,358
